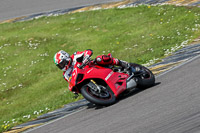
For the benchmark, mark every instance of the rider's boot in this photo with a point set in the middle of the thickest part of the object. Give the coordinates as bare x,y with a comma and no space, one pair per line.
124,64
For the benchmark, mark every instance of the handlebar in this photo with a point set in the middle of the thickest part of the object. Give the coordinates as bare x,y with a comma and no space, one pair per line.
82,66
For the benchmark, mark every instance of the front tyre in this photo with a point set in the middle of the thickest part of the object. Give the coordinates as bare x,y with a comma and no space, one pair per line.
98,94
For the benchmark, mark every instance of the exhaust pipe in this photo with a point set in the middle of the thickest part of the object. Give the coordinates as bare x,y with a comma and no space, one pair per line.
130,83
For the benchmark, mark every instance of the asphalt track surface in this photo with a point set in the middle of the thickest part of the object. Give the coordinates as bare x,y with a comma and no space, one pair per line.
172,106
17,8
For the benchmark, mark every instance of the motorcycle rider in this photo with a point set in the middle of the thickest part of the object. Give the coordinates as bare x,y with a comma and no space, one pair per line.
66,62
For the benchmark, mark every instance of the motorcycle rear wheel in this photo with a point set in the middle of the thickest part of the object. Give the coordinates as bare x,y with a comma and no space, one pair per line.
105,97
147,79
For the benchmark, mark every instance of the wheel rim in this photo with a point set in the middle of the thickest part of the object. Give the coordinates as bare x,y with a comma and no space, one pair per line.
146,74
104,94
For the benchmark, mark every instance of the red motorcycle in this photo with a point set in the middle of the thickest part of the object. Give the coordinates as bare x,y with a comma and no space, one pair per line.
102,85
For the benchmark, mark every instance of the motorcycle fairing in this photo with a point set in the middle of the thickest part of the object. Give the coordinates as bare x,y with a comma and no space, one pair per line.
115,80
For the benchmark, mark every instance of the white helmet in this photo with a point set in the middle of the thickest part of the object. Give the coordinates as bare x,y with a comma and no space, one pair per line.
62,60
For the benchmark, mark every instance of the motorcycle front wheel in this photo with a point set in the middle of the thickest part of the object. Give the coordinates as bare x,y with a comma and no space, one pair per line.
104,97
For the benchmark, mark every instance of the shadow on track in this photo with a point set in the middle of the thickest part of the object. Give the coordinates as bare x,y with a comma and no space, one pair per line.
121,97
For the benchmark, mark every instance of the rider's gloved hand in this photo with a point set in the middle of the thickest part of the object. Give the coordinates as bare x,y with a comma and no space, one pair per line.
86,59
87,54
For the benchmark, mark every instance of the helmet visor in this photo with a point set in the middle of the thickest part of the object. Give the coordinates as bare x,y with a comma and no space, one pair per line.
62,64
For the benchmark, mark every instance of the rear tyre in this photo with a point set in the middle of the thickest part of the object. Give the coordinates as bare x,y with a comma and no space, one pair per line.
147,79
104,97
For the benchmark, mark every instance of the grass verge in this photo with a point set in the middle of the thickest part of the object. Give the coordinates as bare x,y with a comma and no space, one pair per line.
30,83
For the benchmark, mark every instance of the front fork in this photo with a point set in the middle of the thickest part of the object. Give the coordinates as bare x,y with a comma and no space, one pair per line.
96,87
